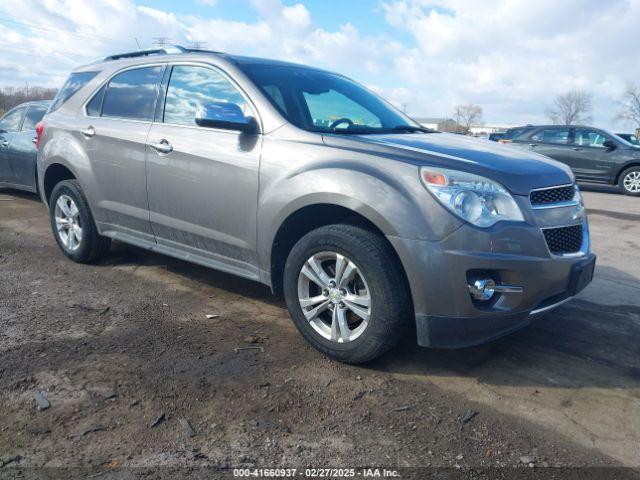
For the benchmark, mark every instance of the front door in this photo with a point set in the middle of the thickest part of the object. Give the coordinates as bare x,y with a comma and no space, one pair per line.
22,150
589,158
9,125
203,182
114,133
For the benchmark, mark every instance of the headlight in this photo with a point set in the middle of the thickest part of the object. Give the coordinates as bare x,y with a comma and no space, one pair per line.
477,200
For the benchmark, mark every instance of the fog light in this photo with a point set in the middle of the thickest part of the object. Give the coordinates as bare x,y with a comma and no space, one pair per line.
482,289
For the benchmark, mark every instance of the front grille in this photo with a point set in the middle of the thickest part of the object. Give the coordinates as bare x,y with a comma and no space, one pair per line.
552,195
564,239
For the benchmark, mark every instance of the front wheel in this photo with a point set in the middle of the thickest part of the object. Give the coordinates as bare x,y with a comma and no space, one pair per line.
346,293
629,182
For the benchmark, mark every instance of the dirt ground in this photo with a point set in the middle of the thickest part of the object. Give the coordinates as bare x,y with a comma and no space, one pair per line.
136,375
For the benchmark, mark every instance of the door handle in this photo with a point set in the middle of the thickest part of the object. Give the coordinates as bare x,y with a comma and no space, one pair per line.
88,132
163,147
577,149
35,140
533,145
5,143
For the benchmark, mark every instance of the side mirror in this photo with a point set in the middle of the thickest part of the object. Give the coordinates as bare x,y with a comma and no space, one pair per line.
226,116
609,145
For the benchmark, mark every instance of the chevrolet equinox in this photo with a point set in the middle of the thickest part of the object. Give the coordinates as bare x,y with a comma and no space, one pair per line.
305,181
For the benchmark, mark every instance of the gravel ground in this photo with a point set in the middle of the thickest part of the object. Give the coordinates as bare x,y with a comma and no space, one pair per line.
132,373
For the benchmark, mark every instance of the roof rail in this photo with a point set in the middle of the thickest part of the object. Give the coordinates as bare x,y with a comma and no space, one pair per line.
145,53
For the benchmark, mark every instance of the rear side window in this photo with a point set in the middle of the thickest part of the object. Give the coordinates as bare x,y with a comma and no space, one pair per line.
34,115
74,83
11,121
132,94
552,135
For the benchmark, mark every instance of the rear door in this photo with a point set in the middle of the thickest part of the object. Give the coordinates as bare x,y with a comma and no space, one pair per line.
114,133
550,141
22,149
588,157
9,125
203,193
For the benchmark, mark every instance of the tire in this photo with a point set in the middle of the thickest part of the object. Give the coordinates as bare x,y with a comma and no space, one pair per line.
629,182
377,275
88,244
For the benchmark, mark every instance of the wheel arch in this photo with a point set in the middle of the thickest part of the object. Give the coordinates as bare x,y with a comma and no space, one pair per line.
54,174
625,167
310,217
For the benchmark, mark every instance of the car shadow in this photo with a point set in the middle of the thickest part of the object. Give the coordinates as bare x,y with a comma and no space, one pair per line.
581,344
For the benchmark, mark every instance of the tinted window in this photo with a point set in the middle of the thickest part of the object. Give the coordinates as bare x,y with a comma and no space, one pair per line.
94,107
191,87
551,135
74,83
589,138
132,94
514,132
11,121
34,115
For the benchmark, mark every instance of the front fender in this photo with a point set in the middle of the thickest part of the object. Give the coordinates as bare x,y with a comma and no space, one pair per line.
388,193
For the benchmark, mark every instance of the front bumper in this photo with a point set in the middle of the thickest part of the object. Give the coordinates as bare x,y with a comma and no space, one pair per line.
517,254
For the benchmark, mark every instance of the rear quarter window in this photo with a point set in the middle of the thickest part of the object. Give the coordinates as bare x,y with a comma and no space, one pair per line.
74,83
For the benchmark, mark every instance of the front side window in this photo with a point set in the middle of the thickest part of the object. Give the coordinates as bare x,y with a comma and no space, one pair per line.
589,138
325,102
74,83
11,121
191,88
552,135
34,115
132,94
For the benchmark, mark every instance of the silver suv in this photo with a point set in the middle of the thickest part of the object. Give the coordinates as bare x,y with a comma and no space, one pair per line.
305,181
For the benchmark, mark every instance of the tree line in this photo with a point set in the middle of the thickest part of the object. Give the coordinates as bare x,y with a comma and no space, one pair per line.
12,96
571,108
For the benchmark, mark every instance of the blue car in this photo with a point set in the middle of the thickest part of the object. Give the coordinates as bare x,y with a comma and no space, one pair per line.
17,145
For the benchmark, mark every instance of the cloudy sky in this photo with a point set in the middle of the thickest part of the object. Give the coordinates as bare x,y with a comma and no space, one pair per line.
509,56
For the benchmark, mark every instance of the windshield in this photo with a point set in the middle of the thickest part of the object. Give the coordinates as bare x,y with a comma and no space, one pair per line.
328,103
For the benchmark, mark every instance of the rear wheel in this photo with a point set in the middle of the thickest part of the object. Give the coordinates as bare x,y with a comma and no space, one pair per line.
346,293
72,223
629,182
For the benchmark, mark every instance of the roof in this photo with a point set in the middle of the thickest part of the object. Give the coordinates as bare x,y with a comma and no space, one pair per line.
178,50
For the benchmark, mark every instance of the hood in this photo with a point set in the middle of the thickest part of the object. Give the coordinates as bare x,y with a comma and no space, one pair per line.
518,170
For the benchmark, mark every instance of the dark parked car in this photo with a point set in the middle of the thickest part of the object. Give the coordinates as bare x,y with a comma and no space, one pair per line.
17,145
594,155
629,137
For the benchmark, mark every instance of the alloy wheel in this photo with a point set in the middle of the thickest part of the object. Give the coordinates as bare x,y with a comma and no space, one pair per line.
631,182
334,297
68,223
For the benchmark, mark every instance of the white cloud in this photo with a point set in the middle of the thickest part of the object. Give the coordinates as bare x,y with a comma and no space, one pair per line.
510,56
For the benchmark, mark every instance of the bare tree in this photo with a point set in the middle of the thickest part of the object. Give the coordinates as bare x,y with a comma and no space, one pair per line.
571,108
630,106
467,115
12,96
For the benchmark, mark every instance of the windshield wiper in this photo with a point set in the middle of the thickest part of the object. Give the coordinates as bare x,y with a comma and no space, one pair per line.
411,129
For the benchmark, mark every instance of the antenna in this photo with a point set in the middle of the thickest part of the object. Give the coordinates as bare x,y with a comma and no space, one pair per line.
161,41
137,43
198,45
